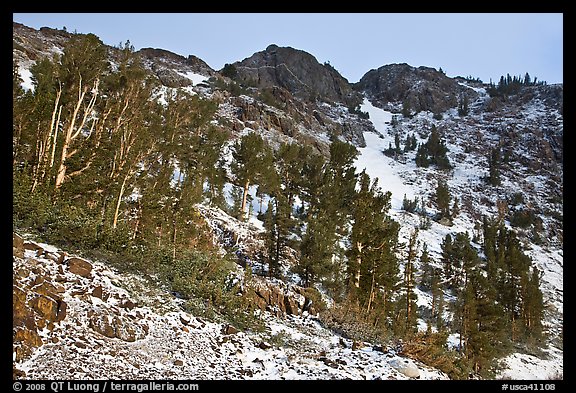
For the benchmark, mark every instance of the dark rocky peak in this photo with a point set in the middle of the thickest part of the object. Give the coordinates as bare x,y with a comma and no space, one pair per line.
421,88
296,71
161,54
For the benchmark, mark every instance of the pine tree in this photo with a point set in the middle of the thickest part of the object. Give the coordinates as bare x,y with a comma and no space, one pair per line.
270,238
397,143
319,239
268,178
433,152
316,249
340,183
447,257
443,200
408,296
408,205
533,305
372,264
437,301
422,159
494,167
81,67
247,153
406,109
424,220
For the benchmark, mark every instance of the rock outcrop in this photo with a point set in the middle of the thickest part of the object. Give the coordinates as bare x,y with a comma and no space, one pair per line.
43,291
80,267
36,301
298,72
421,88
280,298
114,326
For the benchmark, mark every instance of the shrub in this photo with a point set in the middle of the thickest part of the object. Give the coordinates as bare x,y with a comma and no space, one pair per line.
523,218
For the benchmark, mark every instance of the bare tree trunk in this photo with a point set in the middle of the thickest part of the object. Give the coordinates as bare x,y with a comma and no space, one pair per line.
359,246
48,143
121,193
174,238
408,291
138,216
73,131
372,289
36,168
244,198
55,138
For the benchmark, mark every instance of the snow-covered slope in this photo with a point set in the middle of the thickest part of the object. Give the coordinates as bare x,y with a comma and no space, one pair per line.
402,177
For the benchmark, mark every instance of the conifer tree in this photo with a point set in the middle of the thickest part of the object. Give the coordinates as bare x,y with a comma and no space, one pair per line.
494,167
406,110
270,238
433,152
247,153
316,248
447,256
319,238
81,67
372,264
533,304
408,296
443,200
268,179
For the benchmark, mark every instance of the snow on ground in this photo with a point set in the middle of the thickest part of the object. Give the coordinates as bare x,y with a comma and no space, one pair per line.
521,366
26,76
480,90
194,77
453,341
378,165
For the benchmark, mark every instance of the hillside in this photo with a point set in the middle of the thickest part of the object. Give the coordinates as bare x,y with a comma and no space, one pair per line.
123,327
244,198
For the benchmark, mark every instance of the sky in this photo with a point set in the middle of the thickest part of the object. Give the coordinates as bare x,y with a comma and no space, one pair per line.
483,46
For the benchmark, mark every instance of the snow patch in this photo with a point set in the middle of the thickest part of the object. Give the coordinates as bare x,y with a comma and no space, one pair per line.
26,76
194,77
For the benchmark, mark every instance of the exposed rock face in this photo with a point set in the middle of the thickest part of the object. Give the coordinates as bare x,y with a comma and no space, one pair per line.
35,304
229,329
17,245
46,307
422,88
30,45
297,71
114,326
279,298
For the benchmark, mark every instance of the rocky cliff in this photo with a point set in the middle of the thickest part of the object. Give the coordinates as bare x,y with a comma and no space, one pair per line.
298,72
420,88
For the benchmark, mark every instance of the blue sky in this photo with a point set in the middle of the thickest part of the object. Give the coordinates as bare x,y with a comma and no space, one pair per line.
480,45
